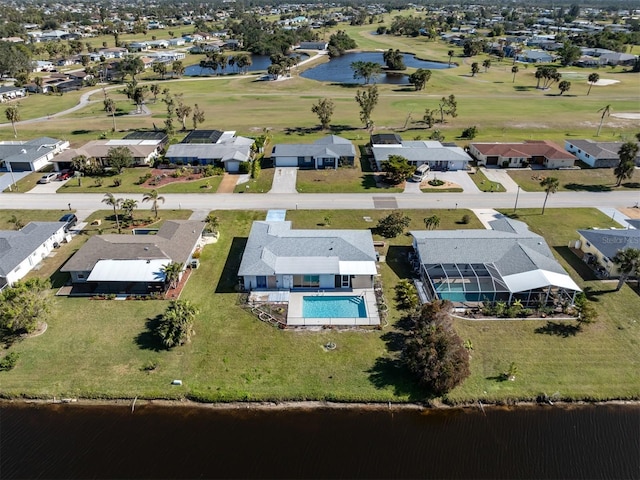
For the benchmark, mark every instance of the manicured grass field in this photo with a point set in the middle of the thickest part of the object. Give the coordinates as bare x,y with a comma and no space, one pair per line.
589,180
483,183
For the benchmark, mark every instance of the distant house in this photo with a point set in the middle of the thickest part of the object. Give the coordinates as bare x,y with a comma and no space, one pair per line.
43,66
212,147
439,156
11,93
21,250
177,42
278,257
505,263
143,151
597,154
534,56
328,152
522,154
313,46
31,155
599,246
138,46
616,58
132,264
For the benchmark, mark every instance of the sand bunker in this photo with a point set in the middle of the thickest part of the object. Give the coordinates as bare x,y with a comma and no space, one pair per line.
605,81
628,116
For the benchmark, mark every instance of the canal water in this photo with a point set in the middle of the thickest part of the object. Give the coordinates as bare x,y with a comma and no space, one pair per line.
75,441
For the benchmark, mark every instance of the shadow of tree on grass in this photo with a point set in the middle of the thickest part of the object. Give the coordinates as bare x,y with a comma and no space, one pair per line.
148,340
564,330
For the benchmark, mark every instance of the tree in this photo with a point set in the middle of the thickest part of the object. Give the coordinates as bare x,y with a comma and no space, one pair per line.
198,116
23,305
17,222
569,53
13,115
137,95
450,53
324,110
486,63
79,163
128,206
212,223
593,79
448,106
131,66
434,352
183,111
548,75
419,78
628,262
564,86
176,324
366,70
110,108
339,43
397,169
172,273
394,59
115,203
550,185
475,68
14,58
627,154
392,225
38,81
432,222
606,111
154,88
514,70
154,198
160,68
367,99
177,67
119,158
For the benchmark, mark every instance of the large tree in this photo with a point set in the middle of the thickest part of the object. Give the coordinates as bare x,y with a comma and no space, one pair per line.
628,262
419,78
434,352
392,225
367,99
366,70
606,111
115,203
160,68
119,158
394,59
177,68
569,53
448,106
550,185
13,115
154,197
339,43
183,111
23,305
564,86
324,110
475,68
14,58
397,169
176,324
197,117
627,154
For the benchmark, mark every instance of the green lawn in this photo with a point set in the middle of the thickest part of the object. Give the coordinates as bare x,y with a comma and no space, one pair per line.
590,180
108,221
26,216
483,183
343,180
260,185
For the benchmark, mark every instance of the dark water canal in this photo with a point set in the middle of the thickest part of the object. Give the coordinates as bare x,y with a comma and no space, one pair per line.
73,441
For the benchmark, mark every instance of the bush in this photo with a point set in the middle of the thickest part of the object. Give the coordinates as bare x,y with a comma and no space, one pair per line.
144,178
244,167
466,219
470,132
9,361
436,182
98,182
392,225
117,181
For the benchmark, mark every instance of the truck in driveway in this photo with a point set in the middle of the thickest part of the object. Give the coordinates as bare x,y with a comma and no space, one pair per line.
421,172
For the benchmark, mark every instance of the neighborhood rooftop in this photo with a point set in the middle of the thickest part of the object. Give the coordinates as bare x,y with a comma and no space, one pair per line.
16,245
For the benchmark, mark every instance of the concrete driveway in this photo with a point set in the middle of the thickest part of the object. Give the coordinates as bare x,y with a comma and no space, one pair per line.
6,180
50,187
500,176
284,180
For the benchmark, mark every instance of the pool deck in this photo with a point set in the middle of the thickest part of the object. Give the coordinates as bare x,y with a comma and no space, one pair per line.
295,318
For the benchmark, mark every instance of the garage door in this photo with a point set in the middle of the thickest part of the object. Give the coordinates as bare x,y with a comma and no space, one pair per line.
286,161
492,160
21,166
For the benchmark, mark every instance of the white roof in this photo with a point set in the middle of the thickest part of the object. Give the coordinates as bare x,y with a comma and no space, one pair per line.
129,270
307,265
520,282
358,268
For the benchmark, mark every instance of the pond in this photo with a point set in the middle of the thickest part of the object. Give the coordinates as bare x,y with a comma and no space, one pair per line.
339,70
259,63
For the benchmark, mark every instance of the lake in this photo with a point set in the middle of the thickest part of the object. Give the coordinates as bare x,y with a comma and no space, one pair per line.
541,442
260,63
339,70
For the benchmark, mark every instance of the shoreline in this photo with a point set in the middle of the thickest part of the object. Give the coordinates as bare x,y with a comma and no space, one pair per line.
308,405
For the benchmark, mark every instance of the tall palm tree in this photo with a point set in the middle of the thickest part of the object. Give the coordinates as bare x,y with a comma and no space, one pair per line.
114,202
154,198
628,262
550,185
627,153
606,111
110,108
450,53
593,78
172,273
514,70
486,64
13,115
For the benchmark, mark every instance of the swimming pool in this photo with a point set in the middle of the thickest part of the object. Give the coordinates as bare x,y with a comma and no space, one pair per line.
334,307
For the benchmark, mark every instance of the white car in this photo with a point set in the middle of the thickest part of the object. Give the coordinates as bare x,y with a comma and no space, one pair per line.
48,177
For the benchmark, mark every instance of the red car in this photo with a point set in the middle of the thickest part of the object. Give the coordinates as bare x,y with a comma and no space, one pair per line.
65,175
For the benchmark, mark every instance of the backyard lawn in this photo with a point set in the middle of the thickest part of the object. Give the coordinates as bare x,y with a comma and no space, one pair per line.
589,180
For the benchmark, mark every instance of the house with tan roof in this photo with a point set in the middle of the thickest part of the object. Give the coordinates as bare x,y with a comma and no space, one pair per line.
143,151
541,153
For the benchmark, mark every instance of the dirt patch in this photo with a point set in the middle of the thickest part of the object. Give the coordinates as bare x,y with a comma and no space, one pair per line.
630,212
228,183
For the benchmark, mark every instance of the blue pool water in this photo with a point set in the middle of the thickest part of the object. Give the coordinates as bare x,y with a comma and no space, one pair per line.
333,307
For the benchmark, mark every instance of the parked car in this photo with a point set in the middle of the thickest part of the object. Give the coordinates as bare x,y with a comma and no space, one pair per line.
65,174
70,219
47,177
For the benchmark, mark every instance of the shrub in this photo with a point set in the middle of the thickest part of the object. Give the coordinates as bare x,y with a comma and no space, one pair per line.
470,132
466,219
436,182
144,178
9,361
98,182
392,225
117,181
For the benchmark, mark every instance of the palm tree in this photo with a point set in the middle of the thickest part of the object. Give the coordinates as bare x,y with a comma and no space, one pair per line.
474,69
129,205
628,262
606,111
172,273
110,108
176,325
432,222
17,222
38,81
13,115
212,223
486,64
154,198
550,185
593,78
514,70
564,86
450,53
114,202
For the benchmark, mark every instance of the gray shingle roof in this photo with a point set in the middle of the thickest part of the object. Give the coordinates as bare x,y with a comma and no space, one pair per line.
598,150
608,242
175,240
330,146
270,241
29,151
17,245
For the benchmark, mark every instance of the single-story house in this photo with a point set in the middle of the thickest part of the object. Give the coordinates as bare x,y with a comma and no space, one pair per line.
599,246
177,42
21,250
597,154
30,156
277,257
328,152
616,58
143,151
439,156
11,93
133,264
212,147
138,46
521,154
505,263
534,56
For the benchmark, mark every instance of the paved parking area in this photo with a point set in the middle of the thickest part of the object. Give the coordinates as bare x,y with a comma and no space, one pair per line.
284,180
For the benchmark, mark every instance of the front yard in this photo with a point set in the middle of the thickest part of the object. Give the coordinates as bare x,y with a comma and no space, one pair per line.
588,180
